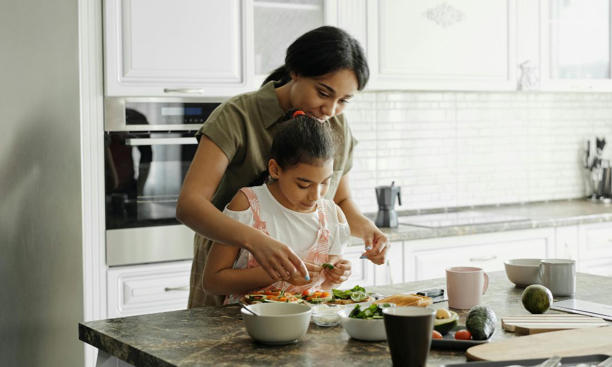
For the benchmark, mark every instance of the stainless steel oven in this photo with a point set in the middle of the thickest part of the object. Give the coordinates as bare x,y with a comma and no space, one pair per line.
149,145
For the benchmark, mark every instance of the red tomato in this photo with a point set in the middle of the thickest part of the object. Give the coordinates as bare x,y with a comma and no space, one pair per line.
436,335
306,293
324,294
463,335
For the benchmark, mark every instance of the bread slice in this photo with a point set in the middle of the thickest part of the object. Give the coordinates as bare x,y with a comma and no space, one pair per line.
407,300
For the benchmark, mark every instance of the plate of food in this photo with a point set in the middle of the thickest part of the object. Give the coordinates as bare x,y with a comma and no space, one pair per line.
271,296
407,300
357,294
478,329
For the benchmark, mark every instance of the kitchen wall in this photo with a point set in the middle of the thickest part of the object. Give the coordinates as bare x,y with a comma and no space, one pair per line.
450,149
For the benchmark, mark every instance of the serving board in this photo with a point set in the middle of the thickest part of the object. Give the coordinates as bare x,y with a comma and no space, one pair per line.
534,324
563,343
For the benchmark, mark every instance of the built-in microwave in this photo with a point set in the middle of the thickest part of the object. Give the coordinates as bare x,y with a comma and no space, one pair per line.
149,145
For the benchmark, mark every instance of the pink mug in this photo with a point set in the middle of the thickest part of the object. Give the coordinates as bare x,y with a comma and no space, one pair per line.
465,286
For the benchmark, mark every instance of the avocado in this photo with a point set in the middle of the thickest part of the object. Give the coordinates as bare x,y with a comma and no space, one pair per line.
443,326
537,298
480,322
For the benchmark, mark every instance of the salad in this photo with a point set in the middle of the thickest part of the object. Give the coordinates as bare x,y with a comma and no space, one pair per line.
370,313
355,294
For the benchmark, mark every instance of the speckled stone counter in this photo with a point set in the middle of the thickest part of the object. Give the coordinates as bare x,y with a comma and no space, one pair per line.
540,214
216,336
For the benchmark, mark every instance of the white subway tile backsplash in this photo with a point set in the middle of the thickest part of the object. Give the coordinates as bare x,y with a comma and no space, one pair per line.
451,149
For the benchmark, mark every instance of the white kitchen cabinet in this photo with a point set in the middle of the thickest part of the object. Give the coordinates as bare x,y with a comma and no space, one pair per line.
575,41
361,269
143,289
595,248
392,271
176,48
466,45
426,259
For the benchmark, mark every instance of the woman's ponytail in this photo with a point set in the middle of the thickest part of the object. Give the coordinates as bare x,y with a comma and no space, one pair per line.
280,75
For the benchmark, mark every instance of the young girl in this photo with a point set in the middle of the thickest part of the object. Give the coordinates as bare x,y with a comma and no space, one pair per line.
290,208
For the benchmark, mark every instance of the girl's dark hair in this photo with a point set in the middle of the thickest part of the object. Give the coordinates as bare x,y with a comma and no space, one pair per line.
320,51
302,139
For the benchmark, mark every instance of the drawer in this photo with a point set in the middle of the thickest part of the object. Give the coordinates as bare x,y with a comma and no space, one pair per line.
489,256
598,267
143,289
596,241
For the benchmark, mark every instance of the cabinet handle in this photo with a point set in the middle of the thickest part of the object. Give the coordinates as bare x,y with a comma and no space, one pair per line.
175,289
184,90
485,258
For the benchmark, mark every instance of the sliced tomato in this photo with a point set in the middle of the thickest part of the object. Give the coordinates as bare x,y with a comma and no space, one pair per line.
436,334
463,335
306,293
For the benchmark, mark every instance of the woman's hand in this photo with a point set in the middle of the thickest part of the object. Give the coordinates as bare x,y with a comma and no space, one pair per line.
299,279
340,273
376,243
279,260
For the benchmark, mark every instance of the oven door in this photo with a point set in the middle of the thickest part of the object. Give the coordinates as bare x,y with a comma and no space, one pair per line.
144,173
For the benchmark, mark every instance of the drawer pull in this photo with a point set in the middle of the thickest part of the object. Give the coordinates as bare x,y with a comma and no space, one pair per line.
184,90
485,258
176,289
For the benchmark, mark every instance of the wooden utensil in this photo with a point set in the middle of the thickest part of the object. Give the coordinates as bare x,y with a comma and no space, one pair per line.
534,324
563,343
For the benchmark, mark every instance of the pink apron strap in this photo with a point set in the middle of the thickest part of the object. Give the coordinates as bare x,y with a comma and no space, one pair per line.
254,204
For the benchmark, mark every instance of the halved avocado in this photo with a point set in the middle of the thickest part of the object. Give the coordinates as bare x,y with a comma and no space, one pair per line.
443,326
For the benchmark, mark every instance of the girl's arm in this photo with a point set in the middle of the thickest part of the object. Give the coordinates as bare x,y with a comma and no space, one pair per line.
219,275
195,209
221,278
360,225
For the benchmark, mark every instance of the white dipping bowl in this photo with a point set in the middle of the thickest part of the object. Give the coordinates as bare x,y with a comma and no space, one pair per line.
278,323
362,329
523,272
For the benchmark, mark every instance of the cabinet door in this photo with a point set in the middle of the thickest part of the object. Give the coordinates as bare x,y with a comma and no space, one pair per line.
392,271
160,48
361,269
595,241
468,45
294,18
428,259
142,289
576,45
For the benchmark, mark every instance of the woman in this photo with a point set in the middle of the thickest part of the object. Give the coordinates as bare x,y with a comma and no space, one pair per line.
323,69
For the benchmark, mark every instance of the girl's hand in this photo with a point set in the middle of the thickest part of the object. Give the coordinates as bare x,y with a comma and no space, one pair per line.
299,279
340,273
376,243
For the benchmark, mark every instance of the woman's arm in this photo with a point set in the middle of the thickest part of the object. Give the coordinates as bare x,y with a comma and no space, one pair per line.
195,209
360,225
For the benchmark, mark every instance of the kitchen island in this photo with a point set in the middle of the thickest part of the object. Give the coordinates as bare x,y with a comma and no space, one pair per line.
216,335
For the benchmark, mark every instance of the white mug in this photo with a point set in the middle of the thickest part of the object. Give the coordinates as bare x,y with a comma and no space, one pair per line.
465,286
558,275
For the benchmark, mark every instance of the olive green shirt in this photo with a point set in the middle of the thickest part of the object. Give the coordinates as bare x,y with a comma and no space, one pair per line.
243,128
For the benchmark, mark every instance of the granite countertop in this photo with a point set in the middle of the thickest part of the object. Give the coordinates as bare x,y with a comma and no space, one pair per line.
216,335
539,214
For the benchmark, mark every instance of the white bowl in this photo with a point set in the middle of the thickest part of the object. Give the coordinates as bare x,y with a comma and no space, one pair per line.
363,329
523,272
278,323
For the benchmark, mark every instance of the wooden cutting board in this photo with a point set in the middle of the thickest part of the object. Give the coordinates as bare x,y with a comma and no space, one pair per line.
534,324
564,343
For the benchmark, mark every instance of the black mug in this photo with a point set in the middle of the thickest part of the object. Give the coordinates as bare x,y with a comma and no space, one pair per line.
409,332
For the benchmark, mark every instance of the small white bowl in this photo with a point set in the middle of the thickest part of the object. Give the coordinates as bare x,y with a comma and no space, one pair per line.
363,329
523,272
325,315
278,323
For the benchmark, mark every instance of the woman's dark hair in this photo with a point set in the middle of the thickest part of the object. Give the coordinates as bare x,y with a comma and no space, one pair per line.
320,51
302,139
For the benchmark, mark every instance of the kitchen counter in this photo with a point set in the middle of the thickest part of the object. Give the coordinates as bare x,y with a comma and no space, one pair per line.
539,214
216,335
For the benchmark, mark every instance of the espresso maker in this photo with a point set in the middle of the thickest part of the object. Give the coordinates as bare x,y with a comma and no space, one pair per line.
385,196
